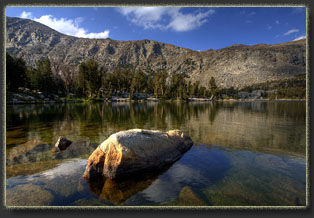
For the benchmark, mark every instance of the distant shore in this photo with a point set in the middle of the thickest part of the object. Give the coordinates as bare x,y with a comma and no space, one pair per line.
20,99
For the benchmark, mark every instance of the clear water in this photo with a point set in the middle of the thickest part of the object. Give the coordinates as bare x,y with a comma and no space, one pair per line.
244,154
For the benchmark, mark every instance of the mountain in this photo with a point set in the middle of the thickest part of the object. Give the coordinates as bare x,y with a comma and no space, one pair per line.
237,65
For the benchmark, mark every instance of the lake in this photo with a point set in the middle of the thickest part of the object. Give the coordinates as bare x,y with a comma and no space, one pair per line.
244,154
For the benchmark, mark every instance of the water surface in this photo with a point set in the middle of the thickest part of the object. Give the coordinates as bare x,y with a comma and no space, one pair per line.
245,153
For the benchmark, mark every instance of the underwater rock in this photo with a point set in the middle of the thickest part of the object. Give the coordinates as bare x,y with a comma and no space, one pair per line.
188,198
28,195
63,143
128,152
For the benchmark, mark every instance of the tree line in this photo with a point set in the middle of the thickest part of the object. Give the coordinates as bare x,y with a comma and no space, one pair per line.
93,81
36,78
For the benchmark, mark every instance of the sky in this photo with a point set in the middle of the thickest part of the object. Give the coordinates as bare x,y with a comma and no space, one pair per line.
196,28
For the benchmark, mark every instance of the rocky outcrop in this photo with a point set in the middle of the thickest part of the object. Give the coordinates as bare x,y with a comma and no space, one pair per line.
129,152
237,65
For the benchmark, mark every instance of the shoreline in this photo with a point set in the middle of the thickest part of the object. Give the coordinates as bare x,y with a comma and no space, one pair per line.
156,100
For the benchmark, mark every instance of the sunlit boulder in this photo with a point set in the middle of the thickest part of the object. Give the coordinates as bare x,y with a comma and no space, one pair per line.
128,152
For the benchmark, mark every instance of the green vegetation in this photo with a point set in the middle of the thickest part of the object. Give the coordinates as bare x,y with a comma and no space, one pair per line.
41,77
89,79
37,78
93,82
292,88
16,73
213,87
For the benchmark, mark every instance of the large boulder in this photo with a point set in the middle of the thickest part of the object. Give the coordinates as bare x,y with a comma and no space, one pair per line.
128,152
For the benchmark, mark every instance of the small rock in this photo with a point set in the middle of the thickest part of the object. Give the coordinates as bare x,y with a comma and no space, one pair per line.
63,143
152,99
17,95
30,97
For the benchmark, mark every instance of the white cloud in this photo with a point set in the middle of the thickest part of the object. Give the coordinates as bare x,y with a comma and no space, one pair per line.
185,22
66,26
146,17
277,21
298,38
165,18
291,31
25,14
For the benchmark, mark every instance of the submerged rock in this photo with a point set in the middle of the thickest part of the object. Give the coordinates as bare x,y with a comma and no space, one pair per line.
28,195
128,152
188,198
63,143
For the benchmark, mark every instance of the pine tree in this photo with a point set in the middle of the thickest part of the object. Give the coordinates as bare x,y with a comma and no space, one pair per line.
132,88
213,87
89,79
15,73
178,85
140,81
46,81
160,83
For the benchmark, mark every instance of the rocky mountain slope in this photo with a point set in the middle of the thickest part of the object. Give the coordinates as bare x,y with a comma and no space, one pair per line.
237,65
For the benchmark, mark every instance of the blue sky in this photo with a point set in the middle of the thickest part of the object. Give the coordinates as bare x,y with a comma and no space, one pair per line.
197,28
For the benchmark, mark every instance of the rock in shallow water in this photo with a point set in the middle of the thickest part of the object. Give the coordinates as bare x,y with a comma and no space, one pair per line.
128,152
63,143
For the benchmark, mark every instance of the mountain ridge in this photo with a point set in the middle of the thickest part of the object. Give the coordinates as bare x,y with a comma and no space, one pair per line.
235,65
